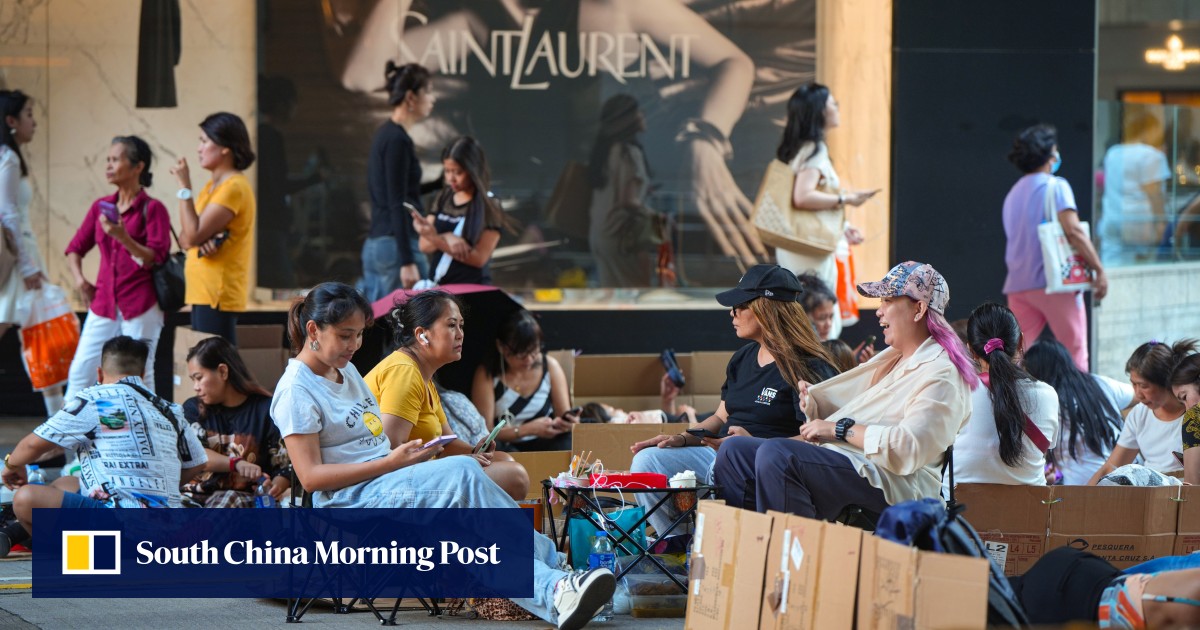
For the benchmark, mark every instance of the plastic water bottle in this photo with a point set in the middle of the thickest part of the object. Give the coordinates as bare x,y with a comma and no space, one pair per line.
262,496
35,475
603,557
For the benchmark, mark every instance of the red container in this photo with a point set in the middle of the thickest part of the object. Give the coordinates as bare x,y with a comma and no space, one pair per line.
622,479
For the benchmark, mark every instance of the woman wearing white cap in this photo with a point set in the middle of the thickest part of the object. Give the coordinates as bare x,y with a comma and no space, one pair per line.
876,434
757,398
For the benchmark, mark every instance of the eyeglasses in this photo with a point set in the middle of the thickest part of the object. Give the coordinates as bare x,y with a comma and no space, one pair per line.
528,354
740,307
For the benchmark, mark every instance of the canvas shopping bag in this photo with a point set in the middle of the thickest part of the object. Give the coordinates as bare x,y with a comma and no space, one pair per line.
1064,267
811,232
49,335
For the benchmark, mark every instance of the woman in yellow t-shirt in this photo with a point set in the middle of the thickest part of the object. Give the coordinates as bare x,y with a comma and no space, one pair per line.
217,228
429,334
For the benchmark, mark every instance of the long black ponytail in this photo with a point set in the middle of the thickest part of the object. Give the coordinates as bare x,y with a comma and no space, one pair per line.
1084,409
995,336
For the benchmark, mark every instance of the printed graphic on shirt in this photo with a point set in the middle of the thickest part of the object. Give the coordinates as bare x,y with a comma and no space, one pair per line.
767,396
372,422
368,411
112,416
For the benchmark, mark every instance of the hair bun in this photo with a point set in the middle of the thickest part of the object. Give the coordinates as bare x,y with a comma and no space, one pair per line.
390,69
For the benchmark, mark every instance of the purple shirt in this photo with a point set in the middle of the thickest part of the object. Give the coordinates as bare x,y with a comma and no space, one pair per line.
1024,209
122,283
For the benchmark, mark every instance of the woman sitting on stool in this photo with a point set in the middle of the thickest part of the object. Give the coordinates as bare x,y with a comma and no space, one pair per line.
876,434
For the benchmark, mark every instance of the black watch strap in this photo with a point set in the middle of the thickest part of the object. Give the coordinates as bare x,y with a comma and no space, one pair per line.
843,425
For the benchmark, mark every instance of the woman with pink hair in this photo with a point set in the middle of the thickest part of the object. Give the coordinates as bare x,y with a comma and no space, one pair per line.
875,435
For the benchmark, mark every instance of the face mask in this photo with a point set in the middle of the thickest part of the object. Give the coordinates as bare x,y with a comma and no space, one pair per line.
1057,162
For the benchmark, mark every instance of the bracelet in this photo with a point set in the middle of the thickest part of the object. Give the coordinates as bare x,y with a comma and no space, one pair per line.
233,463
841,200
700,129
8,465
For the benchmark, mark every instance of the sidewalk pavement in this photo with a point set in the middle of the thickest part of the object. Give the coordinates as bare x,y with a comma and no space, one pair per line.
20,610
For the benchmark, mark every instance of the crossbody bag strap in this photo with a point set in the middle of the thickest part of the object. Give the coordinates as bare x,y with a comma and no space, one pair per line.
169,226
1049,204
163,407
1036,436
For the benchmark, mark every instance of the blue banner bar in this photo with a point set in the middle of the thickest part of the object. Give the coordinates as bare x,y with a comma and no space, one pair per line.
283,553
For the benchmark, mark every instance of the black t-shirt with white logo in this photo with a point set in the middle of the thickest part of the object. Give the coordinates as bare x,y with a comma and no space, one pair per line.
759,400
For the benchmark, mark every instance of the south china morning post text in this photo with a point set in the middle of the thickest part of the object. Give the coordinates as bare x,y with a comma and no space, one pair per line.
283,553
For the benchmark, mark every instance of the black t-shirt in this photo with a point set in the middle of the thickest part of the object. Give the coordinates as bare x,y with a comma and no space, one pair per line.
446,218
759,400
394,177
245,431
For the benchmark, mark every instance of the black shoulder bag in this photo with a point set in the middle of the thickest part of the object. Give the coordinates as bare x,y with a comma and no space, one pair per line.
169,284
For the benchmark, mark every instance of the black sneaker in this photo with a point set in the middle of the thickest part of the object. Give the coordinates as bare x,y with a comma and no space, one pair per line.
579,596
5,545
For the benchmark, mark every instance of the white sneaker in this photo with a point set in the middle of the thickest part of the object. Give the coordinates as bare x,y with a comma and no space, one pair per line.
578,596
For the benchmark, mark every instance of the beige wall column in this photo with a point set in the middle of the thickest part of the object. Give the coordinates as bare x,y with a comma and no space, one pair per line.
854,58
79,62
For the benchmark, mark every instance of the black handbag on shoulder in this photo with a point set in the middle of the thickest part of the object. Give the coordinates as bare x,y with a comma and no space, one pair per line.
169,284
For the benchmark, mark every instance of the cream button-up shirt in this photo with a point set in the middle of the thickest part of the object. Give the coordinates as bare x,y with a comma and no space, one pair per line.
910,412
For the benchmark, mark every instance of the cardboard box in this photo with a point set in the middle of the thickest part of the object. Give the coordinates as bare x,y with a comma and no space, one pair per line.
261,347
901,587
728,567
1124,525
1013,521
610,442
1187,538
811,580
623,375
542,465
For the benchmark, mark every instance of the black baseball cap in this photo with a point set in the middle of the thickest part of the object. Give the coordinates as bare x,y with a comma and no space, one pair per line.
766,281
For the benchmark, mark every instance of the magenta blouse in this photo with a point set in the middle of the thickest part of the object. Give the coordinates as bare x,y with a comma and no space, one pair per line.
123,282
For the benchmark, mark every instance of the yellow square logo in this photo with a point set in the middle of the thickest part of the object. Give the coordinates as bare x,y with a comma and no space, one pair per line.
91,552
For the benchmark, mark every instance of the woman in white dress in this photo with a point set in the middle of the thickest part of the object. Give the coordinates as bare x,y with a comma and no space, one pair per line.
15,194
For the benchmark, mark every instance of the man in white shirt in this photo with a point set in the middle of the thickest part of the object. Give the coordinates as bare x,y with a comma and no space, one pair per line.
134,448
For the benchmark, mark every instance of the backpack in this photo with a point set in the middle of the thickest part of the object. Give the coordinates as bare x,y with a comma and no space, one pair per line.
930,525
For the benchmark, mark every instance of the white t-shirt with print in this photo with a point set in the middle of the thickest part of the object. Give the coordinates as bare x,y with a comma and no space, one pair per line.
1154,438
126,447
344,415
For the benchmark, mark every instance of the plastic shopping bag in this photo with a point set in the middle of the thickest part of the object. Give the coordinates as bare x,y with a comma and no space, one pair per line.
49,335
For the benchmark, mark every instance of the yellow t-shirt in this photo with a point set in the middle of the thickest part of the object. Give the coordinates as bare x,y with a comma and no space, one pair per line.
222,279
397,385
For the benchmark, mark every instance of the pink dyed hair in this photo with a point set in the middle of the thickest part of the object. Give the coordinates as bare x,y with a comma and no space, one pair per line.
942,333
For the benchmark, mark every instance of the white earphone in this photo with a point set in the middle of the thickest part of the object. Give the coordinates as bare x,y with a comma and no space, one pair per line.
423,338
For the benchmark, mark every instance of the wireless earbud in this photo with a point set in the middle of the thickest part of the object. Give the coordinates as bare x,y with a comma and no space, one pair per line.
423,338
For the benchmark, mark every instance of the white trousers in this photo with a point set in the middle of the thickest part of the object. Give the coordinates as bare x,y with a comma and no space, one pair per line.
97,330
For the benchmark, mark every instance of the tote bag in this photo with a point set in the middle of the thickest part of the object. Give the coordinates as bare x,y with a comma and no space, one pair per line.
1064,267
49,335
811,232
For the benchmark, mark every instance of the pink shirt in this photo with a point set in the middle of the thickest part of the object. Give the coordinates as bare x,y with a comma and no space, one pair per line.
123,282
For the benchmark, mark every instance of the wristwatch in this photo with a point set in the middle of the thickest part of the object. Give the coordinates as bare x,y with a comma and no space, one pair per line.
184,194
8,465
843,425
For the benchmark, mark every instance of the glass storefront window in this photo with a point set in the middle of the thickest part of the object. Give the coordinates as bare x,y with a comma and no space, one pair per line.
1147,180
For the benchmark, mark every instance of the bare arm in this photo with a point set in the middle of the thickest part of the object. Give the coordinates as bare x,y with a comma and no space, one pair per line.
196,230
314,475
396,428
1120,456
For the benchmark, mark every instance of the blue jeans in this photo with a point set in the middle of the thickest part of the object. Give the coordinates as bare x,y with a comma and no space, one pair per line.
381,266
670,462
453,482
214,321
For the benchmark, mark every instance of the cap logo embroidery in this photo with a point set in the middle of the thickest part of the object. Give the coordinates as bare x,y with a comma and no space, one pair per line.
767,293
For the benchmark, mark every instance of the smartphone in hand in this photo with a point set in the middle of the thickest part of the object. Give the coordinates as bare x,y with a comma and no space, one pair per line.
703,433
439,441
108,210
487,442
